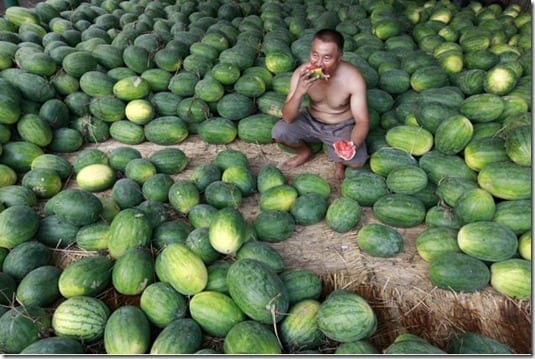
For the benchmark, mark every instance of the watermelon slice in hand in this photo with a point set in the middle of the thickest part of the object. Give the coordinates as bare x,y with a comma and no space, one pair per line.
317,71
346,150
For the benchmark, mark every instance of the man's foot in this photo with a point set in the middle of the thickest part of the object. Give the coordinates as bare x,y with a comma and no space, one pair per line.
297,160
339,171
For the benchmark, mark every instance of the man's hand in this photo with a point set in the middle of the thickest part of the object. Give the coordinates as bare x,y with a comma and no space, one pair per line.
300,84
307,77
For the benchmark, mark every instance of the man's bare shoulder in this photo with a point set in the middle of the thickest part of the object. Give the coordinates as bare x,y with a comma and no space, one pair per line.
351,74
349,69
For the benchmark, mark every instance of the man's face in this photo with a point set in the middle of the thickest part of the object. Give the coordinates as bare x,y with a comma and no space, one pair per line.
325,55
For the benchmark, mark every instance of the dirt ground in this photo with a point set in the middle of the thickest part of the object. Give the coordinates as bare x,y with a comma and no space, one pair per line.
397,288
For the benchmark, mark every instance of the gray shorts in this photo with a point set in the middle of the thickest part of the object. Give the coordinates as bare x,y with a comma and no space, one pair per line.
305,129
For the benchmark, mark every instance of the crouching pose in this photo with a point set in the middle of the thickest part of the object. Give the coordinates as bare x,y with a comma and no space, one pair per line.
337,107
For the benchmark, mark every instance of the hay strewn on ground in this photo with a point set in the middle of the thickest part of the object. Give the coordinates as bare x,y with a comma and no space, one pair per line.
397,288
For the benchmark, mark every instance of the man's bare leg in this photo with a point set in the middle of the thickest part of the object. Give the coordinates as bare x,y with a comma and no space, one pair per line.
339,171
304,154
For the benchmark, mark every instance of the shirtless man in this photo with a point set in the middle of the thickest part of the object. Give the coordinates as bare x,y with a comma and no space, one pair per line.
337,108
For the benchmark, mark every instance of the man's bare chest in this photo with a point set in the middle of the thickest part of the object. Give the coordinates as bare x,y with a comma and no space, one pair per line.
330,96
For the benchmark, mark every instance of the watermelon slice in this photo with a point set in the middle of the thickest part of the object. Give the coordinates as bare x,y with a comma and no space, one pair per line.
346,150
317,71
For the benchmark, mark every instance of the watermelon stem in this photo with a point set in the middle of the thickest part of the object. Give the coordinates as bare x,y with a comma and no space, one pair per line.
272,308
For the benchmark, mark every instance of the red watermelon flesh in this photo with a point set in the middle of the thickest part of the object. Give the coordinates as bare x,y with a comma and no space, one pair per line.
317,71
345,149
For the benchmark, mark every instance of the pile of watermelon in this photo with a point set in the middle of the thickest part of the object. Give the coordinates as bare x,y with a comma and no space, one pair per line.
449,97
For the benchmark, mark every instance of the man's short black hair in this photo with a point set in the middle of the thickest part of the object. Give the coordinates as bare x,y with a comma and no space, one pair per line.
331,35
